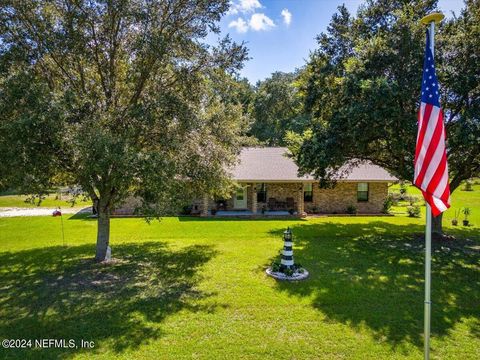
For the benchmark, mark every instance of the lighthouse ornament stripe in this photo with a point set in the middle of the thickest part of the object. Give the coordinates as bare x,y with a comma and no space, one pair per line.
431,168
287,253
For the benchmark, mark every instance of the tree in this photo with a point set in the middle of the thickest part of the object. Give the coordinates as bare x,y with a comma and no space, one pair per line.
276,109
362,91
121,97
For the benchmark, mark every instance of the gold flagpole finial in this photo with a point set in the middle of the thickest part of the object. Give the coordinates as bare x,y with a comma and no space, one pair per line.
436,17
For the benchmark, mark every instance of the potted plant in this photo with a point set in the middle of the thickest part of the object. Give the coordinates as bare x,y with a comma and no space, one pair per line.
466,211
455,219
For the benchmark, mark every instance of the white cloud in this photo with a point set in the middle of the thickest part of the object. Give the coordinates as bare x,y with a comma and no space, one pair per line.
259,22
240,25
243,6
287,16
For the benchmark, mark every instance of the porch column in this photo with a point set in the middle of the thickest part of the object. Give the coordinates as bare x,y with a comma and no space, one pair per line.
253,199
300,205
205,202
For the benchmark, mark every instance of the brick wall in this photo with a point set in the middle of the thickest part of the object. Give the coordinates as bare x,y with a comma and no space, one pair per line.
127,207
344,194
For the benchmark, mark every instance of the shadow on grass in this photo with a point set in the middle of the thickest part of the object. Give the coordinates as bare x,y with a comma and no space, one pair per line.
81,215
60,293
372,275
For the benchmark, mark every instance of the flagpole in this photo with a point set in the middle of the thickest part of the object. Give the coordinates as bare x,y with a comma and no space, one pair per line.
430,20
428,303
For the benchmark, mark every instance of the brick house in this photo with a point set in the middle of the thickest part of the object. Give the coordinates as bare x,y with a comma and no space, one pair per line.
268,182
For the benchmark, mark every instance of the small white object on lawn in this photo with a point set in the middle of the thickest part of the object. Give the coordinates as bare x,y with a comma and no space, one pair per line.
108,256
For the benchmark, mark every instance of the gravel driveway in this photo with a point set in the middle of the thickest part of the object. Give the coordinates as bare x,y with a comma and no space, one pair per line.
39,211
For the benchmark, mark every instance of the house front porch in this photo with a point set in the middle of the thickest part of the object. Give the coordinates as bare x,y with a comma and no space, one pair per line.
296,198
248,213
258,199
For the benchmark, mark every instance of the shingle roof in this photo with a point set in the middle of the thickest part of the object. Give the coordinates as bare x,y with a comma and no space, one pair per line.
273,164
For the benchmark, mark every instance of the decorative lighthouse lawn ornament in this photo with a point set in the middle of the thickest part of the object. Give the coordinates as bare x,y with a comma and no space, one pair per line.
287,262
287,269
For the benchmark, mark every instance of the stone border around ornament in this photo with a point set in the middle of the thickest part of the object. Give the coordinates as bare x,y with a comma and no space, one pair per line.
281,276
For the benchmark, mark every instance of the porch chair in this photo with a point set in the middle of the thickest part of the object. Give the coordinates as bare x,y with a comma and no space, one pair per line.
290,203
272,204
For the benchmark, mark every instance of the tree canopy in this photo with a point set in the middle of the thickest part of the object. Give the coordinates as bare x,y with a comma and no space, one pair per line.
276,108
362,87
121,97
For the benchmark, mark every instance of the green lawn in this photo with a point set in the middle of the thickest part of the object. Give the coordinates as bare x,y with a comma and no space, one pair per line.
460,199
189,288
50,201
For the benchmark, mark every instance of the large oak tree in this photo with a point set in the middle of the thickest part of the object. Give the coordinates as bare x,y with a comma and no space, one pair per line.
276,108
362,90
119,96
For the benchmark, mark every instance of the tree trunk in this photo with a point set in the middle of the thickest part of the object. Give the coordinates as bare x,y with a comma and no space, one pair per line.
103,233
437,224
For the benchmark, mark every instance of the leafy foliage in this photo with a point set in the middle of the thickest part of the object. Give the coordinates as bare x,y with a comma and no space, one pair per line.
362,89
387,204
121,97
277,109
413,211
351,209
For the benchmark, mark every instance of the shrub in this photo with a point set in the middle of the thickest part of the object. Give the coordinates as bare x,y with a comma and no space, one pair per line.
213,211
395,196
403,190
387,204
413,211
352,210
288,272
186,210
275,266
412,199
291,211
468,186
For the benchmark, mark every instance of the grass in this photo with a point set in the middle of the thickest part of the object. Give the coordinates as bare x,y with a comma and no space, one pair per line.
50,201
187,288
460,199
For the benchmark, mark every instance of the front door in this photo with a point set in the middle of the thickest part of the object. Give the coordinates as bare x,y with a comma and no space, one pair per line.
240,198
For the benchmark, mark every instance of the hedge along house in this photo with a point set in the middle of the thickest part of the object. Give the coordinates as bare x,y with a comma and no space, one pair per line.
268,182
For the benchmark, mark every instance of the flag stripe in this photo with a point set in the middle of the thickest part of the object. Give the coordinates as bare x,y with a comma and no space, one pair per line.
434,156
429,144
425,138
424,110
431,168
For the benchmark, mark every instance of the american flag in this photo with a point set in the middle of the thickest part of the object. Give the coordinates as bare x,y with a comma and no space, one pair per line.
431,168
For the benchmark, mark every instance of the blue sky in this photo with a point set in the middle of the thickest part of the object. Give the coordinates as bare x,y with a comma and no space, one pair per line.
281,33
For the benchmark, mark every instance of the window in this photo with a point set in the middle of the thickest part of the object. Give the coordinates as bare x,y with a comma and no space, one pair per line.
262,192
362,192
308,192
